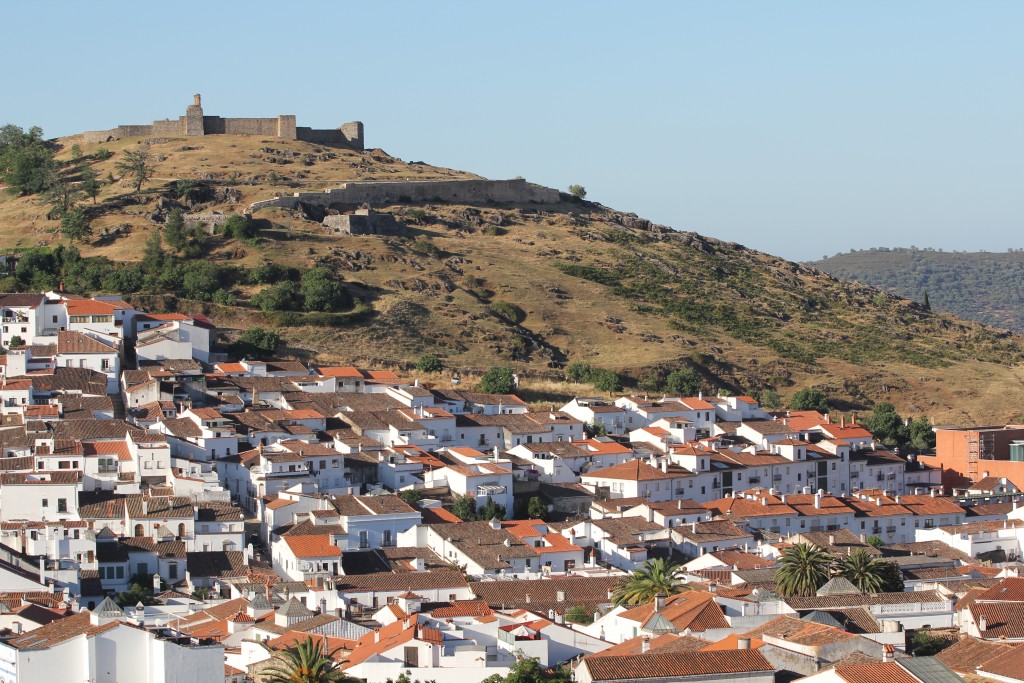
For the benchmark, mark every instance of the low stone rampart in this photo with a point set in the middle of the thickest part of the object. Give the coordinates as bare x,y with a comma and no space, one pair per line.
516,191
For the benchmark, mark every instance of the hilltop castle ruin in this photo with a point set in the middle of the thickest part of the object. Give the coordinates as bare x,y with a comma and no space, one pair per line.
194,122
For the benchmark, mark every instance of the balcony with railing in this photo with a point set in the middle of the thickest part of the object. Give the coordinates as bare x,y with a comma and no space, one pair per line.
490,490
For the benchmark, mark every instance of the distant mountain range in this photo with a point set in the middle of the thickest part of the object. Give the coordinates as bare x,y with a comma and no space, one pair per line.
984,286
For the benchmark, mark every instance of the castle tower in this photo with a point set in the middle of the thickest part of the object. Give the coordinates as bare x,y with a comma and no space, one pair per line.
194,117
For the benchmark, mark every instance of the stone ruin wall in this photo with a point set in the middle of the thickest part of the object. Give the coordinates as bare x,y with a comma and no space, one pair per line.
516,191
195,123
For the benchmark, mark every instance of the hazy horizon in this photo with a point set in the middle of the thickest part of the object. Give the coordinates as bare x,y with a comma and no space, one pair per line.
801,129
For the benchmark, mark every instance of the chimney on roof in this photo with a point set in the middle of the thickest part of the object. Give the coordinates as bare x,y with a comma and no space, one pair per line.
693,527
982,625
645,644
560,596
783,498
527,598
933,493
817,501
888,653
713,587
831,539
878,501
842,422
679,504
664,465
764,502
659,602
743,643
863,538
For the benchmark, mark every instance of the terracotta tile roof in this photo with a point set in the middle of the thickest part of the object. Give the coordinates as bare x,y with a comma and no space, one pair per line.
93,307
1009,664
741,560
1004,619
982,527
849,600
799,631
76,342
663,644
969,653
411,581
929,548
803,503
839,542
625,531
879,672
1010,589
694,610
41,478
715,530
926,505
731,642
655,665
766,505
55,632
585,591
312,546
637,470
217,563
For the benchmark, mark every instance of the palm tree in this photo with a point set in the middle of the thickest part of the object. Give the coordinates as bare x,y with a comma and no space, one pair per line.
305,662
653,578
803,569
863,571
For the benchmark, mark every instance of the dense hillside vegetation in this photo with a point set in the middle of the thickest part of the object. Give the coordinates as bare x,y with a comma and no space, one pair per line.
527,286
983,286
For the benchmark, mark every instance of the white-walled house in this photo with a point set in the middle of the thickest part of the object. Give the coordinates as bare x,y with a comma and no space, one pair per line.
637,478
484,481
91,350
40,495
99,646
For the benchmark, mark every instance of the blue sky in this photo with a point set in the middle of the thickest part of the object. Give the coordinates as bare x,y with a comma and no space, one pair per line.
799,128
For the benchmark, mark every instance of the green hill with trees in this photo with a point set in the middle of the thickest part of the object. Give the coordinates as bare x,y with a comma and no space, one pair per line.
983,286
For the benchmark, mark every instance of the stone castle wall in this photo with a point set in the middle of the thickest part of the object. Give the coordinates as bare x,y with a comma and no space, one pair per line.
516,191
194,122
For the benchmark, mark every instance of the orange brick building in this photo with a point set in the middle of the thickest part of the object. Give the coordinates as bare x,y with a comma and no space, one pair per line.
968,454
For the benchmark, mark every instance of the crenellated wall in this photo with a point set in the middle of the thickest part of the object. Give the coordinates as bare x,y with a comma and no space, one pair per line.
196,123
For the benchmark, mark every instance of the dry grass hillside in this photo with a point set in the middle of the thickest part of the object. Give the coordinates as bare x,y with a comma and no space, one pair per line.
591,283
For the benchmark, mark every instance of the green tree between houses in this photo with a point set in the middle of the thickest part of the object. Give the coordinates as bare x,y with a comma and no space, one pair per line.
863,571
305,662
653,578
498,381
578,371
429,363
803,569
491,510
809,398
579,615
535,508
771,400
684,382
464,507
529,670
